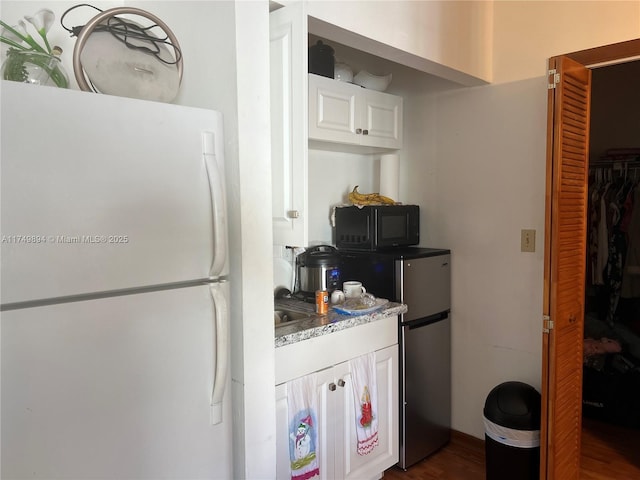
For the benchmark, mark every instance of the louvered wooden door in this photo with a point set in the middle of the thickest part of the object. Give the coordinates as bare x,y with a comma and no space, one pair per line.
565,260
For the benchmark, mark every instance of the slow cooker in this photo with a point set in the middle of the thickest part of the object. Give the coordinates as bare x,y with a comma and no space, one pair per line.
318,268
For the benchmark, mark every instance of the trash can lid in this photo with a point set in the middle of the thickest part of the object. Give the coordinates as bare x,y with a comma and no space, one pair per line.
515,405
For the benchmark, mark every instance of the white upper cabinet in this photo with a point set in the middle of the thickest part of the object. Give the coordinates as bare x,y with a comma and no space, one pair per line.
289,145
318,111
346,113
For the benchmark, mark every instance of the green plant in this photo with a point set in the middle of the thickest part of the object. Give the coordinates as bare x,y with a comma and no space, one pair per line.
21,43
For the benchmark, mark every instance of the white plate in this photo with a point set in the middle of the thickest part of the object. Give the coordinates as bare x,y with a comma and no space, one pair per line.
380,302
115,69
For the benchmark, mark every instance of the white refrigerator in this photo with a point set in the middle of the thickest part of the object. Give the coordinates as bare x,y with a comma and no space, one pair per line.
113,288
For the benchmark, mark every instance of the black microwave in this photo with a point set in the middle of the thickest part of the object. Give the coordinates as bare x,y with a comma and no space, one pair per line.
377,227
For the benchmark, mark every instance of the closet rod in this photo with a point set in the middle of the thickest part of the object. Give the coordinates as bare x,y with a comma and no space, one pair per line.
630,163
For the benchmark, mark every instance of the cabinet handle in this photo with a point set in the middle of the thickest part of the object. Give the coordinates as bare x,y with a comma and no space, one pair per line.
358,131
365,132
293,214
341,383
332,387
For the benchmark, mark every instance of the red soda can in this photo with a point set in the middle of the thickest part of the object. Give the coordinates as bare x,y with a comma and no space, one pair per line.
322,301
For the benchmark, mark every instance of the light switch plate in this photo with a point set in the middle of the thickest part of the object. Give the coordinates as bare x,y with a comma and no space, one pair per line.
528,241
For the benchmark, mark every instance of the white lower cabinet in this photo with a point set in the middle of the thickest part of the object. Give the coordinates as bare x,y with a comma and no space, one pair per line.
336,416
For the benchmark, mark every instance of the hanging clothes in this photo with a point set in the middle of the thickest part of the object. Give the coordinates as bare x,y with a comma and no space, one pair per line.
593,213
631,277
617,246
614,239
603,238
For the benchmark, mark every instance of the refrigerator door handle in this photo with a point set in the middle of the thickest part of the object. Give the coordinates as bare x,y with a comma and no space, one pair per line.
218,207
221,327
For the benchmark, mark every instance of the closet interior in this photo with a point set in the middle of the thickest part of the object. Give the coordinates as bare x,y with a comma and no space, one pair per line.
611,372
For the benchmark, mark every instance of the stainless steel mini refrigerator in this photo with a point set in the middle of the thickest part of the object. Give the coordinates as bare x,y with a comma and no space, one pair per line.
420,278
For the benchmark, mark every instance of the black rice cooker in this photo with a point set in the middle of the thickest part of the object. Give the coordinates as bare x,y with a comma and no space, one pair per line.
318,268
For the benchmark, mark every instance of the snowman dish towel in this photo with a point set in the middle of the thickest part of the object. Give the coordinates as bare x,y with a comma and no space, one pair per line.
303,428
365,397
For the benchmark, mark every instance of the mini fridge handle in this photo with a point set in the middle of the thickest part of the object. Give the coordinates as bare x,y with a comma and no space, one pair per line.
424,321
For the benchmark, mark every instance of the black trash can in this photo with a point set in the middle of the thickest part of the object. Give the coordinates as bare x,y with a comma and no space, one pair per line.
512,432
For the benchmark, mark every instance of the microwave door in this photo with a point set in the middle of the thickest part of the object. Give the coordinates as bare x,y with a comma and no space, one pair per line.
397,226
393,229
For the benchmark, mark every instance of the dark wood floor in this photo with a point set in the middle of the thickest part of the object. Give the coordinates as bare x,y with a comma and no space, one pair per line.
608,453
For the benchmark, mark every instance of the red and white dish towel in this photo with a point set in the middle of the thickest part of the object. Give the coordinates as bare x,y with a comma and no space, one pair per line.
365,397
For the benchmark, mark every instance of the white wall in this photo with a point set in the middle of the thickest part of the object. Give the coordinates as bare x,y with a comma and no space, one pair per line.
252,328
419,164
489,184
528,32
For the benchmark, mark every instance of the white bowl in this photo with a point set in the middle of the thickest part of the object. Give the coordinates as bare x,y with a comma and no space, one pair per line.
373,82
343,72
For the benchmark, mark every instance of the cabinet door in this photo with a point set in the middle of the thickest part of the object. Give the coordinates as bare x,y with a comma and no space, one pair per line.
326,424
289,146
332,110
283,465
385,454
345,113
382,120
567,191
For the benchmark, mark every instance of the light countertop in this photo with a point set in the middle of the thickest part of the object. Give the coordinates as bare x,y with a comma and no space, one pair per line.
318,325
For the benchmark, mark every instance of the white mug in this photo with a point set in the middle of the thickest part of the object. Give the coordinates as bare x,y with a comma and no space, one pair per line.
353,289
337,296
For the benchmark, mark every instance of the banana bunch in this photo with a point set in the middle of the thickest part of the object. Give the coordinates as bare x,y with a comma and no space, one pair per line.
360,199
